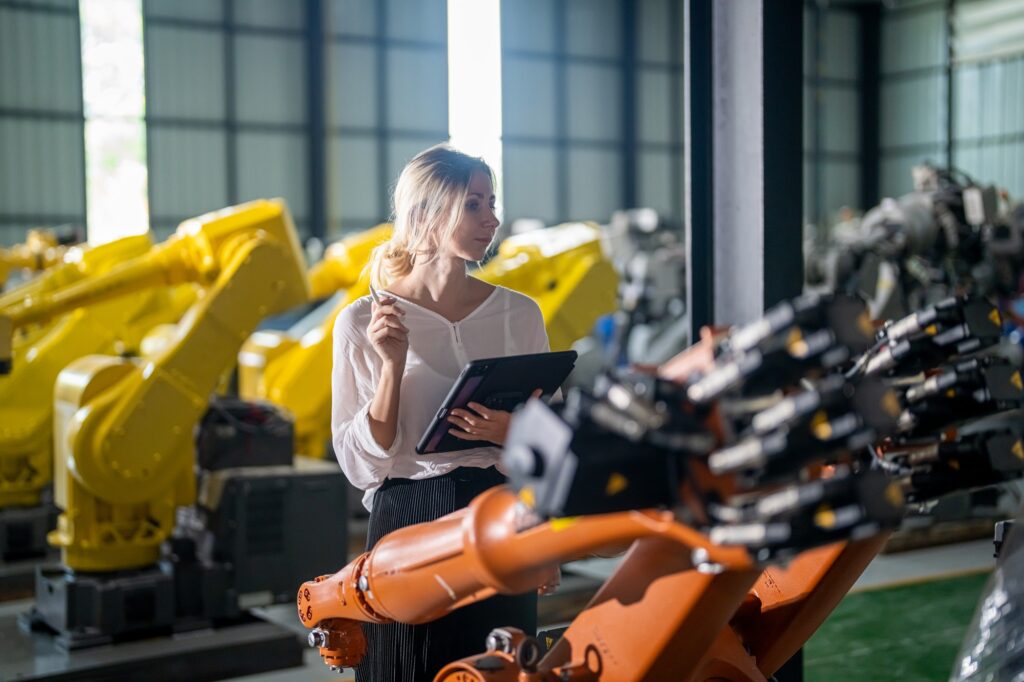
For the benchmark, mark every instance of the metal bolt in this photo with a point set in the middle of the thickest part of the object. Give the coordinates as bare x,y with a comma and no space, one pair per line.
363,583
499,640
700,557
709,568
337,669
317,638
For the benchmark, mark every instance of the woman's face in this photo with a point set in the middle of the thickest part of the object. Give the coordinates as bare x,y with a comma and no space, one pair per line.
475,232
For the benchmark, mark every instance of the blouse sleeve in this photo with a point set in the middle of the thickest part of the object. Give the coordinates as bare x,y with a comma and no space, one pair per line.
364,461
536,333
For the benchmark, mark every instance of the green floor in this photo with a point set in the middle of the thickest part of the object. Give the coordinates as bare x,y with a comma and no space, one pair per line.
909,634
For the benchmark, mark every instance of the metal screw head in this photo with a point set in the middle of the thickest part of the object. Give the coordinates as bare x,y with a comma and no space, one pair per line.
317,638
700,557
363,583
337,669
499,640
709,568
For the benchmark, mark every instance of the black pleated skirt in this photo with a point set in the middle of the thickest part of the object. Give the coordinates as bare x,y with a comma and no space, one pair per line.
415,653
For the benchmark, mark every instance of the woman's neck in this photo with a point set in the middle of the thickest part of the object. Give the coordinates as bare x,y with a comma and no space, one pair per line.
442,281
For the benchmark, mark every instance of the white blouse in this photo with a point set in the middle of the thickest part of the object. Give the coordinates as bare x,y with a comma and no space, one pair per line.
507,323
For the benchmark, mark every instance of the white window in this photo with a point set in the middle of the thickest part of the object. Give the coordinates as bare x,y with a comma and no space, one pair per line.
113,90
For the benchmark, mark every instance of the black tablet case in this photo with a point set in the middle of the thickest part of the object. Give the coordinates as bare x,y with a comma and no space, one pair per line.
499,384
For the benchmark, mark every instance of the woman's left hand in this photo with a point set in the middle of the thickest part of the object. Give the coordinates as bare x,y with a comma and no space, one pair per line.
481,423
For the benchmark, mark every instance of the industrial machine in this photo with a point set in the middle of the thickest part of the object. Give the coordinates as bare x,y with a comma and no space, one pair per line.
39,352
291,368
650,325
754,478
42,249
563,268
950,235
344,262
154,538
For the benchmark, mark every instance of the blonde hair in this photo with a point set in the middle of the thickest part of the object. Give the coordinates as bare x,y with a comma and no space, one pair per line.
428,203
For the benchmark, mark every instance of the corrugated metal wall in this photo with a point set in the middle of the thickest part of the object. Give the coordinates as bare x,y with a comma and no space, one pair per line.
984,110
42,170
387,89
226,106
832,126
988,92
659,74
914,116
565,105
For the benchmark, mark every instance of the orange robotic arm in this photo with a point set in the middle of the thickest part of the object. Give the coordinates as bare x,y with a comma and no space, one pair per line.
422,572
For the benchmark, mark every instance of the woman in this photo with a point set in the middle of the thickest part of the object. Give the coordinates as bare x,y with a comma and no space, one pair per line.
394,362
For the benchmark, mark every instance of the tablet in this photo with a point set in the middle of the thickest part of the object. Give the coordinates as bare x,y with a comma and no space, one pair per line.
500,384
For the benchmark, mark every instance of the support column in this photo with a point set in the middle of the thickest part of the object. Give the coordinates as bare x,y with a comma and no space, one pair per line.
316,112
744,223
699,180
870,98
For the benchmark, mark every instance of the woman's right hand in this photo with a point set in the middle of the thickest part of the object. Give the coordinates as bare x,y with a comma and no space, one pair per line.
390,338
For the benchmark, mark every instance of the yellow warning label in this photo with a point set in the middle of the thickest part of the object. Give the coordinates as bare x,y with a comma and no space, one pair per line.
931,330
894,495
890,403
1015,380
563,523
820,426
864,322
994,316
825,517
616,484
1018,450
796,344
526,495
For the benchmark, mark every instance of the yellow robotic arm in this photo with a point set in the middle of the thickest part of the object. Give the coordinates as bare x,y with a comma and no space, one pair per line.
344,262
563,268
40,251
77,263
291,369
123,428
39,352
